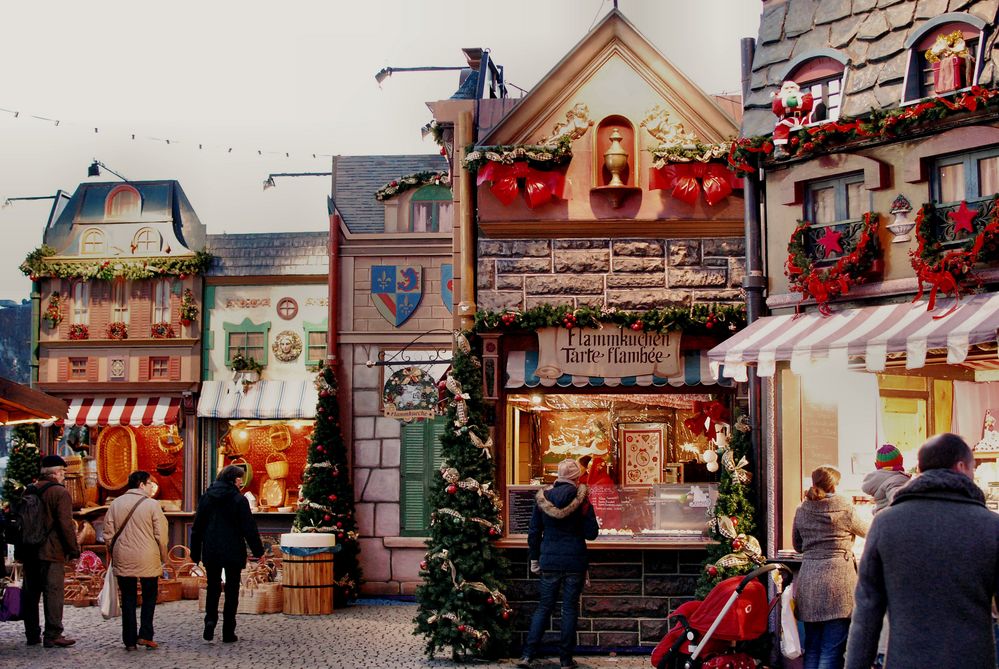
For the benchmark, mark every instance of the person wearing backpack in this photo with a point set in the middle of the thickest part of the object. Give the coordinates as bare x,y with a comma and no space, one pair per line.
44,552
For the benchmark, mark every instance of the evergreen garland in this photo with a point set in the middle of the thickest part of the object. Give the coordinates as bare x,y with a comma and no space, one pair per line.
23,467
731,556
326,502
39,263
695,319
461,606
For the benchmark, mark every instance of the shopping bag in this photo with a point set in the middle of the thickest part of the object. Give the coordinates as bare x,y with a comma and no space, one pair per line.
108,598
10,594
790,640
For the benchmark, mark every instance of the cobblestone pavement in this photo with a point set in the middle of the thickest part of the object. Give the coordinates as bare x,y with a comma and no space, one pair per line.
369,634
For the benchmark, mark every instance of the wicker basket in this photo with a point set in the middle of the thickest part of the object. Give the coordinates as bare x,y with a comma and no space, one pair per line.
192,580
74,485
280,437
116,456
249,471
86,535
74,465
170,589
276,465
259,598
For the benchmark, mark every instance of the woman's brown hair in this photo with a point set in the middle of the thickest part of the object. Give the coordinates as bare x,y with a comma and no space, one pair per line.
824,482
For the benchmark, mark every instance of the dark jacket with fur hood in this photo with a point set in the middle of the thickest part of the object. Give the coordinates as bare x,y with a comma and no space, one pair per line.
931,561
562,522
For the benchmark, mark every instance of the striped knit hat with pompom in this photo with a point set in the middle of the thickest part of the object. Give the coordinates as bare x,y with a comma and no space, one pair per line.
889,457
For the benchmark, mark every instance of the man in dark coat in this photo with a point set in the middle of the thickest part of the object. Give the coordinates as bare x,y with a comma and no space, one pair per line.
43,564
932,561
562,522
223,526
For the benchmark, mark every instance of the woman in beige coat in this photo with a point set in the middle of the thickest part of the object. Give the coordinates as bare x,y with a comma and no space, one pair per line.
139,554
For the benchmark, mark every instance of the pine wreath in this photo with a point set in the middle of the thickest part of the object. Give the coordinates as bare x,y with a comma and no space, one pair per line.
945,270
825,284
400,386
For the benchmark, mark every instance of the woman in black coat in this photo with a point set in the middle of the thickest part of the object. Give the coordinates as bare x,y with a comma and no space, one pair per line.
223,526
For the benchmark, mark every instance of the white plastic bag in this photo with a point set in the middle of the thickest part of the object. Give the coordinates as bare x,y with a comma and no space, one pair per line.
790,640
108,598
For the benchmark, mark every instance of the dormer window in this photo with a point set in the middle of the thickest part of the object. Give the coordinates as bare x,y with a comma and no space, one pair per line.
123,201
431,210
146,240
821,74
945,55
92,242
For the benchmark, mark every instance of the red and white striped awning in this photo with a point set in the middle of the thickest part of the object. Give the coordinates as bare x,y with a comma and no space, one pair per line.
134,411
871,333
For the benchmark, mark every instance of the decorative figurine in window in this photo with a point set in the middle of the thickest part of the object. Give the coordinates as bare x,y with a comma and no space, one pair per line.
792,108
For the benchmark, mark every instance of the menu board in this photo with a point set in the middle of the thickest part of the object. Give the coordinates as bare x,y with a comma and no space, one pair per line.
520,508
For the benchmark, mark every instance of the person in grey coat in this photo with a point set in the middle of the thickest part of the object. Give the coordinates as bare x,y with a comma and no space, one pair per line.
825,528
931,561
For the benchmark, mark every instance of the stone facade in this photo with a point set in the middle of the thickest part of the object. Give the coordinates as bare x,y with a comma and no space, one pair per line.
622,273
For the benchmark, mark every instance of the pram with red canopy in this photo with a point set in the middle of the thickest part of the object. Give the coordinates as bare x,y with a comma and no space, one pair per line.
711,634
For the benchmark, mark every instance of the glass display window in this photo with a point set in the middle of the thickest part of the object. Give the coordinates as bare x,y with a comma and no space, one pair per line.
272,452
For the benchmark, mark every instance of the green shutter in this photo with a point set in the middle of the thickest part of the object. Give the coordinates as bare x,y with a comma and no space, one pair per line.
413,510
435,429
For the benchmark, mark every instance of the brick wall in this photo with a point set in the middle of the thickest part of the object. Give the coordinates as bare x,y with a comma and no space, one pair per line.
625,606
628,274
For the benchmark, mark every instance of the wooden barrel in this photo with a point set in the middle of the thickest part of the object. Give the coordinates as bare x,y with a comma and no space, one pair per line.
308,584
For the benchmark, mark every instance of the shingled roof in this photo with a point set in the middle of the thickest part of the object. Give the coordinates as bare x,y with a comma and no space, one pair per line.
358,177
870,33
269,254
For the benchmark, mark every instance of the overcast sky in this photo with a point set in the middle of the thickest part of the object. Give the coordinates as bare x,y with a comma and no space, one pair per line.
293,77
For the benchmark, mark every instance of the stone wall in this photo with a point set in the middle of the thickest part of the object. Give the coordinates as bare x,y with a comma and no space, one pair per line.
626,603
624,273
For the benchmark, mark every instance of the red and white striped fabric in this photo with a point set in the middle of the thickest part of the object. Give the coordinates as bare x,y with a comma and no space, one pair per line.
871,333
134,411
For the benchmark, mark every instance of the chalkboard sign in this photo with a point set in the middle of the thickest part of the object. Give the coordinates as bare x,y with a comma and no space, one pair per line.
519,508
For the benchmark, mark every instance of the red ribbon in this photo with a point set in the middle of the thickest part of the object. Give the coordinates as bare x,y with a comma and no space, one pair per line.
687,179
706,414
941,281
539,186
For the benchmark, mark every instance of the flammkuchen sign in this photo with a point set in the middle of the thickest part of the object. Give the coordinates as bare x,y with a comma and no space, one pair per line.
607,352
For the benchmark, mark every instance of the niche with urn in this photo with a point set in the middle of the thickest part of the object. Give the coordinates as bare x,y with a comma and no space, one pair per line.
615,160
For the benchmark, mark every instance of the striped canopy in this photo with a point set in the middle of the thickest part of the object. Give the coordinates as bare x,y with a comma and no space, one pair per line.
521,371
263,399
134,411
872,333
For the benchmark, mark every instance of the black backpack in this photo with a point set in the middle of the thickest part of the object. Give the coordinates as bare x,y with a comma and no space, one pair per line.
28,524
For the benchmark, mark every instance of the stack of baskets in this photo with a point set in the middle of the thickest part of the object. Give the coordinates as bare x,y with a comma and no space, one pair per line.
190,575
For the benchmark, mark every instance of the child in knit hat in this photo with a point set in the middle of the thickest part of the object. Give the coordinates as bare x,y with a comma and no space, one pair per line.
886,479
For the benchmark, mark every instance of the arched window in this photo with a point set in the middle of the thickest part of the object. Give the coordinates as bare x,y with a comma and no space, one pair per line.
927,74
821,74
431,210
93,242
146,240
123,201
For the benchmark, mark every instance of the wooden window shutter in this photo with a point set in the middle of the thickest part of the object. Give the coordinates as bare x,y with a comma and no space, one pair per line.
63,368
414,509
144,368
140,311
436,429
93,366
174,368
100,309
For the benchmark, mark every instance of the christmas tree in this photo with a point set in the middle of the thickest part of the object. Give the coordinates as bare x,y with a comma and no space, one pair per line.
326,501
22,468
461,606
737,551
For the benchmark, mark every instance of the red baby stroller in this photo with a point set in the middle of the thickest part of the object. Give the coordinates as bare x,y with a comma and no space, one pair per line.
710,634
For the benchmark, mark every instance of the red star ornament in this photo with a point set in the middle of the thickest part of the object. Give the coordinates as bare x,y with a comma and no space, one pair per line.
963,217
830,241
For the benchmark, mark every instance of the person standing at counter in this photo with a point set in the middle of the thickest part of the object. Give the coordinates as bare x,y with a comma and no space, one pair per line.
223,526
825,528
562,522
886,479
932,562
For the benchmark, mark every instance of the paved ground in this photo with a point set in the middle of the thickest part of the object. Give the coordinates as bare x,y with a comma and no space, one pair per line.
366,635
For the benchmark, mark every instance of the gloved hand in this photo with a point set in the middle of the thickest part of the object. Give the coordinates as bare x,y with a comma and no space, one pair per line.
535,567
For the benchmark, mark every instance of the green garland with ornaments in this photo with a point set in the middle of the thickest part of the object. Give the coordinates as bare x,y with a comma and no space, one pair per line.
403,184
39,264
539,156
696,319
899,123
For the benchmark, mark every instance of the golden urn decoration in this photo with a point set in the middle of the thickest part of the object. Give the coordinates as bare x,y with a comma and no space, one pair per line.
616,159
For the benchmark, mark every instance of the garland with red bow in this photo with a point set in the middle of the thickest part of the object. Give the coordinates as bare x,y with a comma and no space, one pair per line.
706,416
540,186
851,269
884,125
686,180
945,271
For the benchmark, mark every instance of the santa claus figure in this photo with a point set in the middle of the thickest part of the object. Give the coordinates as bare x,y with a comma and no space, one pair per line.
792,108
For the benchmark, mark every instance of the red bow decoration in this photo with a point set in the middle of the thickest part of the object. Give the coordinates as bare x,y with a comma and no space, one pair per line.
682,178
539,186
941,281
706,414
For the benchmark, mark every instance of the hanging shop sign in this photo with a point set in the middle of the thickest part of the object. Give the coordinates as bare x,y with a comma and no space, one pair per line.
607,352
410,393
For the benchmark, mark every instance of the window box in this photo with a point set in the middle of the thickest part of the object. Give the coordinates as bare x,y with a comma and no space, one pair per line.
117,330
79,331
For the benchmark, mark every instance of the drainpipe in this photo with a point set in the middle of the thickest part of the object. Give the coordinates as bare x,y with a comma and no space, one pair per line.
463,136
333,285
36,313
754,284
